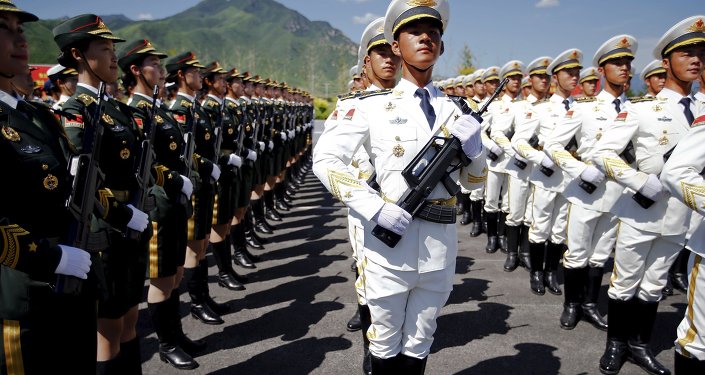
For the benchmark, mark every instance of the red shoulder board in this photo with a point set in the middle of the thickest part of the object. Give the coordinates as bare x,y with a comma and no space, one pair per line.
698,121
349,115
76,122
622,116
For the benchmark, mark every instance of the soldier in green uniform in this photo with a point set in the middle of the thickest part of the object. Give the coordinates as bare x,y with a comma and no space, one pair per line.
142,68
216,86
184,70
87,45
36,152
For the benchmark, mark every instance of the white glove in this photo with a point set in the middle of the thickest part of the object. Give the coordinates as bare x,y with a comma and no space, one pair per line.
251,155
520,158
292,133
547,162
139,219
497,150
235,161
270,146
283,136
187,188
592,175
261,146
392,217
652,188
74,262
467,130
215,174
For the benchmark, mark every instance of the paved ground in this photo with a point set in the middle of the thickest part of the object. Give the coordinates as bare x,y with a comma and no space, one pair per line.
291,319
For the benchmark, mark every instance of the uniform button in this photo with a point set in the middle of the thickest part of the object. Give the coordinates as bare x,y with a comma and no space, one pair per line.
124,142
397,138
45,167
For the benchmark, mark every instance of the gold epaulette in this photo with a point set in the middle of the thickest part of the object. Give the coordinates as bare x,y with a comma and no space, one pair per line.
350,95
585,99
143,104
211,103
517,100
85,99
232,105
369,94
540,101
640,99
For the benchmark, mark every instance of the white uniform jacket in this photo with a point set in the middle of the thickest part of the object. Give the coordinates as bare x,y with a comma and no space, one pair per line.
654,125
587,121
392,127
504,126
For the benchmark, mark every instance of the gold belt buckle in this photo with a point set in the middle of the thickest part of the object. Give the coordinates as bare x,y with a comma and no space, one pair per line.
444,202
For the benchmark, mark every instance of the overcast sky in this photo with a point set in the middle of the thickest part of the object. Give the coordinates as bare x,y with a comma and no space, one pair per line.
495,30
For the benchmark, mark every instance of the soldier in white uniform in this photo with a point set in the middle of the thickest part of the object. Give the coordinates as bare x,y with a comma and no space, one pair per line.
525,87
591,228
464,196
654,76
65,79
495,186
589,77
682,176
477,195
518,169
549,207
653,223
405,286
700,95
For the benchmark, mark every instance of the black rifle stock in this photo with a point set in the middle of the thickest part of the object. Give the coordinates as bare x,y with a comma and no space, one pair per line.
187,157
431,166
143,172
82,202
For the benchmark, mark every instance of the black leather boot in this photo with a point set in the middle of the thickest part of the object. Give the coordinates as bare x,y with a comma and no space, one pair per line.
354,324
639,351
502,231
554,253
592,293
366,322
492,239
575,279
412,366
512,261
467,209
221,253
476,211
270,212
536,253
249,226
237,234
109,367
192,347
130,357
261,224
678,273
169,350
279,201
386,366
524,258
683,365
240,253
199,306
619,316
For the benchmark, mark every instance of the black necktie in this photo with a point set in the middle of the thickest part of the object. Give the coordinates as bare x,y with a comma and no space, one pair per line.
688,114
426,106
566,104
617,105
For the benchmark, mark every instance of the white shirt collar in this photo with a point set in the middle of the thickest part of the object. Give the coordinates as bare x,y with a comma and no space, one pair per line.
700,96
409,88
149,100
187,96
89,88
673,96
217,99
9,99
555,98
372,87
606,96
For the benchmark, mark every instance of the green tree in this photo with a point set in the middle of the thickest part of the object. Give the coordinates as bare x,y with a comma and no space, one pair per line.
467,61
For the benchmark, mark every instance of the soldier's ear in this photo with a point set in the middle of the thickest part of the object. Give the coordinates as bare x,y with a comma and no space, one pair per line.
76,54
135,70
601,70
395,48
666,63
443,48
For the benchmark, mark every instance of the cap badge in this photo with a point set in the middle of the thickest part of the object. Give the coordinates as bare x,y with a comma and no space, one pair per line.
698,26
546,62
574,54
101,25
624,43
421,3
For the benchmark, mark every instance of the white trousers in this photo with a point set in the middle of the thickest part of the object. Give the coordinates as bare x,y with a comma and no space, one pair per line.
357,241
477,194
404,306
641,263
549,215
519,210
591,236
495,189
690,341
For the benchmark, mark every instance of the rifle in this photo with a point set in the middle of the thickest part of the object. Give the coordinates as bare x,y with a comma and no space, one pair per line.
82,202
187,157
219,131
143,173
427,169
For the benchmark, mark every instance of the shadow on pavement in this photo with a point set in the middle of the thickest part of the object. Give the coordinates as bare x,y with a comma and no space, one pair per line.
531,359
297,268
459,329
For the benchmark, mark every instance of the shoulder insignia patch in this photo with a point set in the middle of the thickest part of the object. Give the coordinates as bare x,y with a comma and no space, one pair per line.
369,94
640,99
698,121
569,114
334,115
621,117
75,122
85,99
585,99
181,119
350,114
